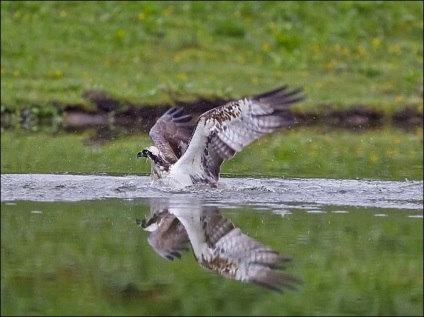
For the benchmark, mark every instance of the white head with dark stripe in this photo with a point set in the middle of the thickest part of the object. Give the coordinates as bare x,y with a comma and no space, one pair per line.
159,166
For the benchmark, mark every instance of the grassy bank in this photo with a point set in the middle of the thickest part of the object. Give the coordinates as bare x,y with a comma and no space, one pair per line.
343,53
380,154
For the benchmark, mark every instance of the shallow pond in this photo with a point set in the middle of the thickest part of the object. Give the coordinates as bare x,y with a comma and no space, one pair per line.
70,245
351,221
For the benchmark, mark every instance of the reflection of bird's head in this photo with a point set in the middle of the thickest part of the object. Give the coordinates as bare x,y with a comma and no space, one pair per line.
149,224
167,235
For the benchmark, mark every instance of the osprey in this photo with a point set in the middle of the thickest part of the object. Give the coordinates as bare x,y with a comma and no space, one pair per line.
185,154
218,245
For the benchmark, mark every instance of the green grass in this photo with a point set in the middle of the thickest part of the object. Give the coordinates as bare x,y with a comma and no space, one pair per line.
78,259
343,53
380,154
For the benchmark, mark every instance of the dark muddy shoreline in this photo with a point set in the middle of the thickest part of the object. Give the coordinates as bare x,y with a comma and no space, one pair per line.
137,118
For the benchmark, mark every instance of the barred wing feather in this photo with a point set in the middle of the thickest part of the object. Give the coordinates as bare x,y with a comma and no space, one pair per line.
223,248
171,133
226,130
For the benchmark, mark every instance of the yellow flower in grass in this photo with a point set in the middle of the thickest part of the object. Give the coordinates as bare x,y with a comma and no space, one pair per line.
345,51
181,76
265,47
177,58
394,49
373,158
359,151
361,51
331,65
120,34
399,99
168,11
315,48
412,153
375,43
57,73
141,16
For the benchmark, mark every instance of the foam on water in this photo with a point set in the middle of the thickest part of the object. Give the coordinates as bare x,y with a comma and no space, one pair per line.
275,193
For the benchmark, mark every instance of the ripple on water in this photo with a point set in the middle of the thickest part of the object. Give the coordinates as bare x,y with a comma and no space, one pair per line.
307,194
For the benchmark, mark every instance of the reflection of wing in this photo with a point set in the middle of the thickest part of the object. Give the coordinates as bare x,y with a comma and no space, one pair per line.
167,235
171,133
221,247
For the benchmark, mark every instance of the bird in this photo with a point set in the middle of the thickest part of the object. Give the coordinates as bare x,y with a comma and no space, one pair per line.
218,245
186,153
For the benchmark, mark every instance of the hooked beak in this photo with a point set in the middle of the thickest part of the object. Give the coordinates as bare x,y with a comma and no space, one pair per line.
141,222
142,154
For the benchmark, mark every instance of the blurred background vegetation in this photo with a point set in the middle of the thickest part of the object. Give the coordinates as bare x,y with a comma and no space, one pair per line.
344,54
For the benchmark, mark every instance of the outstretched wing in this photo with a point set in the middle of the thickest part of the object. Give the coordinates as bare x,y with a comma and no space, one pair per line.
235,255
171,133
226,130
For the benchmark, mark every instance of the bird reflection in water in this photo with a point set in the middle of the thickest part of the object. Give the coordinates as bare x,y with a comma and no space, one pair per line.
217,244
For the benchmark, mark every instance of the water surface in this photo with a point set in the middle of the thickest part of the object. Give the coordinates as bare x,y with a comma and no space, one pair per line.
71,245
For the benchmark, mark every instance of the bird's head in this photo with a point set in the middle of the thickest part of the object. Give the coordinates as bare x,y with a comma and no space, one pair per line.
150,152
159,165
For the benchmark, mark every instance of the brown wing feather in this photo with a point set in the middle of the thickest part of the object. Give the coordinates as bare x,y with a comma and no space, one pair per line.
253,262
171,133
231,127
